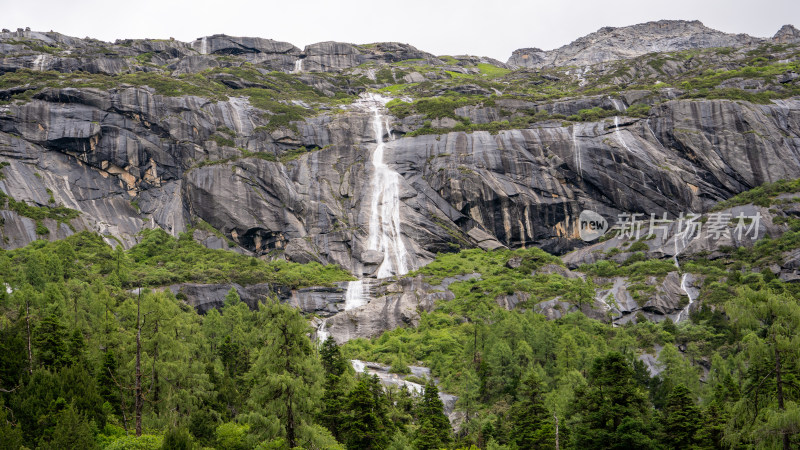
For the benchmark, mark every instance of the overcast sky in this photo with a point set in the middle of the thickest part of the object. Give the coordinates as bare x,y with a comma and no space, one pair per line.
443,27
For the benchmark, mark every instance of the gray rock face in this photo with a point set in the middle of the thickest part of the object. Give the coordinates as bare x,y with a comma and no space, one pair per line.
527,57
387,378
396,305
608,44
99,151
322,301
788,34
275,54
336,56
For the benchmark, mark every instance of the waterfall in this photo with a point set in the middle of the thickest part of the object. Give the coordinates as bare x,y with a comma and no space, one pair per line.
322,332
358,366
204,46
577,146
384,222
298,66
239,114
356,295
619,135
386,378
39,63
618,105
685,311
653,133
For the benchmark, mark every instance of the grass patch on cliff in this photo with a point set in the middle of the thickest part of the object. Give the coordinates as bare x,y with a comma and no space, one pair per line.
60,214
159,260
492,71
483,262
764,195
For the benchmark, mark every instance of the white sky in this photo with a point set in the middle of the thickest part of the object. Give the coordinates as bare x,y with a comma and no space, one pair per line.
486,28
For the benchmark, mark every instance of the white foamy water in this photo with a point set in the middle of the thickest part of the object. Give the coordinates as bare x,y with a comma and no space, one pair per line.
358,366
684,314
618,105
239,115
322,333
356,295
653,133
204,46
387,379
39,63
384,220
298,66
619,135
578,163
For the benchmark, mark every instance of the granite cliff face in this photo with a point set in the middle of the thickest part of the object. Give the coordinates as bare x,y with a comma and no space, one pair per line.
274,147
609,43
98,152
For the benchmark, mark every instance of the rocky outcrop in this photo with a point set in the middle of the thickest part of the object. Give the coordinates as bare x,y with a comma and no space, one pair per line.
395,305
321,301
336,56
274,54
609,44
788,34
528,58
387,378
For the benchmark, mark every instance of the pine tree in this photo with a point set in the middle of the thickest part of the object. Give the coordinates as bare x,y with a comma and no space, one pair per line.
177,439
71,431
50,342
107,387
612,398
333,401
286,375
331,357
366,425
434,427
767,412
682,419
10,433
530,419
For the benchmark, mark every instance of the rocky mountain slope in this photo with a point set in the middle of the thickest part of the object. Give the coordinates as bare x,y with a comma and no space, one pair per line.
609,43
273,149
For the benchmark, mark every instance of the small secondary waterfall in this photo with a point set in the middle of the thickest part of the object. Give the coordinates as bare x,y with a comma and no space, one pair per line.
204,46
384,221
386,377
618,105
322,332
39,63
619,135
684,314
578,163
653,133
356,295
298,66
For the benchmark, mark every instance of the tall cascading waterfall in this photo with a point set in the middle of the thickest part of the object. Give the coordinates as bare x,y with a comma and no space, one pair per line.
384,221
298,66
385,235
204,46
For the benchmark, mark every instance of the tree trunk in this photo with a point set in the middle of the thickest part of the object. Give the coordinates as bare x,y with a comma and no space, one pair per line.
290,435
154,385
779,387
28,324
138,385
556,417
